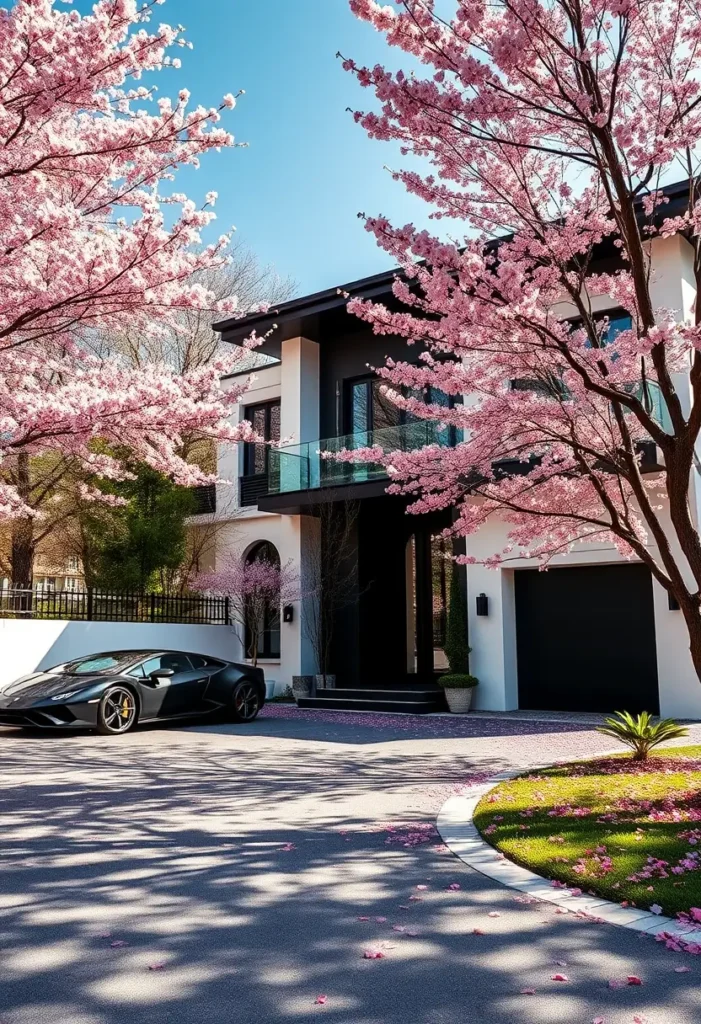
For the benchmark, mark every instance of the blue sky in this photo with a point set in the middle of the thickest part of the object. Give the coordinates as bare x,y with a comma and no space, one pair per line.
295,193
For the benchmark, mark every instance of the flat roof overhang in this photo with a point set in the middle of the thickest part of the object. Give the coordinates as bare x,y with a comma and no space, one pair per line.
300,503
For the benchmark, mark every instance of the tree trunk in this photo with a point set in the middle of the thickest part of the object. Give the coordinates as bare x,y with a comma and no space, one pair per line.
22,552
692,617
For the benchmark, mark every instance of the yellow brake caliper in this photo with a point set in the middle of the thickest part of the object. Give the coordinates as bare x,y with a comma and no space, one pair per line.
125,708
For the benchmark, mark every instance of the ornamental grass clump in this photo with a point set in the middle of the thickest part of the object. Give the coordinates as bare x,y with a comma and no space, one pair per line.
641,734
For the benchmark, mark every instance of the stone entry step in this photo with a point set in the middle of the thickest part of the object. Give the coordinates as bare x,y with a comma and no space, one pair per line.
411,702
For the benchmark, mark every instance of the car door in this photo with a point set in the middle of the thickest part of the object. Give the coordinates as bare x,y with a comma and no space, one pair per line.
177,694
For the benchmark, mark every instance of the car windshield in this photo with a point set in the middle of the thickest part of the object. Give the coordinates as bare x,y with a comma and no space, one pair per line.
99,663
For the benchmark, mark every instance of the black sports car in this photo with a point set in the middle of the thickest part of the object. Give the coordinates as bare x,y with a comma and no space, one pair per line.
112,692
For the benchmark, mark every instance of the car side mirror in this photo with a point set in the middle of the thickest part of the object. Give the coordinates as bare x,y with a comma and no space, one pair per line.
160,673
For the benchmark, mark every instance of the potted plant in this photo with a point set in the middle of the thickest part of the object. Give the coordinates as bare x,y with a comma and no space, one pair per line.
457,684
302,686
458,687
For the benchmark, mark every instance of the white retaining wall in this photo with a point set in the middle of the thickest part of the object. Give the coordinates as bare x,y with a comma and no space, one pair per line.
31,645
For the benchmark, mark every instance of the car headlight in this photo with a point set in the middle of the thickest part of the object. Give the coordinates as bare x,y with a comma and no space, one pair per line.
64,696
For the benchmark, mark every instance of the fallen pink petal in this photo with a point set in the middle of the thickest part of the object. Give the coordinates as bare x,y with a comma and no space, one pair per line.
633,979
373,954
560,977
156,967
527,991
321,1000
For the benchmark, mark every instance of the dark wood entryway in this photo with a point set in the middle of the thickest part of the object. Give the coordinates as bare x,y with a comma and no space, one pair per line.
586,639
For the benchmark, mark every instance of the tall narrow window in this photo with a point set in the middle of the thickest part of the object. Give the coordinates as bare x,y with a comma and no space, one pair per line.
439,601
265,419
269,628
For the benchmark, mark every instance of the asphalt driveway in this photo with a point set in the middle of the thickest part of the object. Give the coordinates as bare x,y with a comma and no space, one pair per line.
212,875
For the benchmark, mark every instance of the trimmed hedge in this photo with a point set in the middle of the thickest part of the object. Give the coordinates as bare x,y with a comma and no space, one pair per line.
457,681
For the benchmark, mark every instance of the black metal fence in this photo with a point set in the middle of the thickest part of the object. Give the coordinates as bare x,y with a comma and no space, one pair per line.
103,606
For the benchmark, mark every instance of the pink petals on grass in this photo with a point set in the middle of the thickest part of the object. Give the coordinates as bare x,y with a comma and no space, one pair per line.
631,979
454,886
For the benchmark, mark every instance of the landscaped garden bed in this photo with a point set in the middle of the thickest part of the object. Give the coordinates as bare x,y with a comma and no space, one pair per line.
625,830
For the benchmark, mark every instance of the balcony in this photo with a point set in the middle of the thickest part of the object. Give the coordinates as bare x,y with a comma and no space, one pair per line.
303,467
204,500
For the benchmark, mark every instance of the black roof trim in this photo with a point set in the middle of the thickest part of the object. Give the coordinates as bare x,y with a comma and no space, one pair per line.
371,287
318,302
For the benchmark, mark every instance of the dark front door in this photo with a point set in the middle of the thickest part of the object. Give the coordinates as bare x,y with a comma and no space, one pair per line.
586,639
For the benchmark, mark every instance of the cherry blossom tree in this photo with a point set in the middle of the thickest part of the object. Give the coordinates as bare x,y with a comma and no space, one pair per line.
545,130
255,590
94,239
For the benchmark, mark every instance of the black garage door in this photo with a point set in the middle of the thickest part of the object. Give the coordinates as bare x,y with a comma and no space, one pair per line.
586,639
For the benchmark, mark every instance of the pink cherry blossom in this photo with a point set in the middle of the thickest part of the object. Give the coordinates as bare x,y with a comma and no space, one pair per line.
542,133
95,241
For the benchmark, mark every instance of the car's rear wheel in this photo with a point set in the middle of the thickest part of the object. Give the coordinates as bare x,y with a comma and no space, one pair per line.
245,702
117,712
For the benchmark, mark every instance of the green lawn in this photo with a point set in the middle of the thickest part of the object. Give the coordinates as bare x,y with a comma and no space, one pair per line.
596,824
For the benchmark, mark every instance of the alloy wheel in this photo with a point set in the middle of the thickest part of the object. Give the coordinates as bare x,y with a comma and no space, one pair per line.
246,702
119,710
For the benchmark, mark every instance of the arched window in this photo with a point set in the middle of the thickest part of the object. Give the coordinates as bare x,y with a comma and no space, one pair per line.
269,645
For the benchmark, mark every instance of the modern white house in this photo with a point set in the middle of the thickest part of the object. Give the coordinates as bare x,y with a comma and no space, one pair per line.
594,632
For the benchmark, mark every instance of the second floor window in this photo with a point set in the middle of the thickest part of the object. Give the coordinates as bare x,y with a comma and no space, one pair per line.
265,419
368,409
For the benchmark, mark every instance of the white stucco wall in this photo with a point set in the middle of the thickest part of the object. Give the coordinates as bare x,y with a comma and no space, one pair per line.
28,645
493,638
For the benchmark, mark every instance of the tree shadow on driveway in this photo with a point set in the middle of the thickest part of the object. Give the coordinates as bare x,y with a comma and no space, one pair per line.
242,862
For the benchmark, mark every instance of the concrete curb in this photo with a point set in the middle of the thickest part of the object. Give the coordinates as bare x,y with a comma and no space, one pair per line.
459,833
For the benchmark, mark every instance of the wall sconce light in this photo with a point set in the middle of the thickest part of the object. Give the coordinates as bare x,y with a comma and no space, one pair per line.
288,613
672,602
482,604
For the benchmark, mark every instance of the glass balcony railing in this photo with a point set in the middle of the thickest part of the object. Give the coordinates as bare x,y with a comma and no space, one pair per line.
303,467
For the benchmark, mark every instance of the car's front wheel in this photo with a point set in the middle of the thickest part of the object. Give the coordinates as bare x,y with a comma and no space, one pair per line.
117,711
245,703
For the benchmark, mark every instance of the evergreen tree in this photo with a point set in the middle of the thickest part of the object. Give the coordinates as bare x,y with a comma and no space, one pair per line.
456,647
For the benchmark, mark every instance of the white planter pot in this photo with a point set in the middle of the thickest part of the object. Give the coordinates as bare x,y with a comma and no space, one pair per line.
459,700
269,689
302,686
